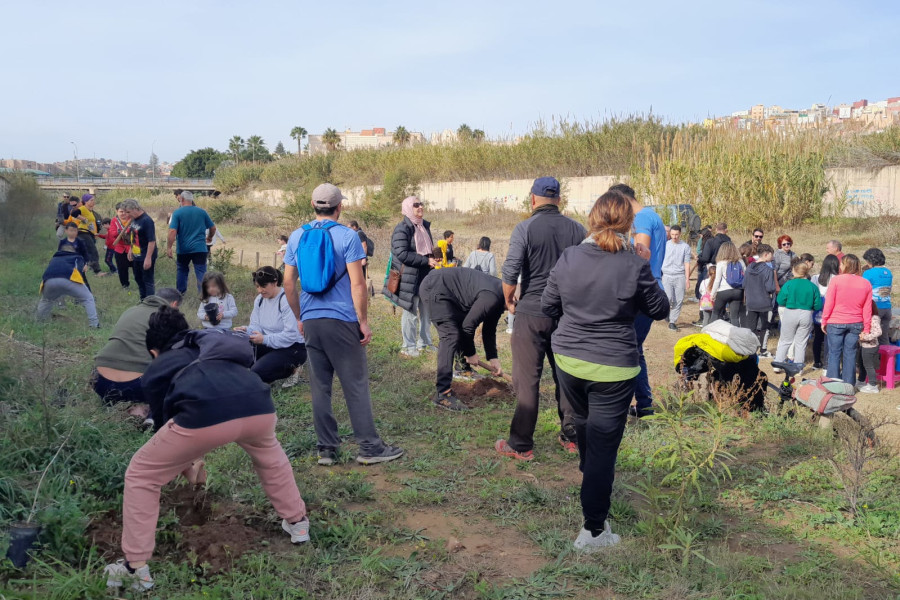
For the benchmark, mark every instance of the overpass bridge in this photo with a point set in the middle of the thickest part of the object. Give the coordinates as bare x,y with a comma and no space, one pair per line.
91,184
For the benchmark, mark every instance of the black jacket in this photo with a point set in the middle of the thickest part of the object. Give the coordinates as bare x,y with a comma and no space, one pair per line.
413,266
204,380
469,298
711,248
595,295
534,247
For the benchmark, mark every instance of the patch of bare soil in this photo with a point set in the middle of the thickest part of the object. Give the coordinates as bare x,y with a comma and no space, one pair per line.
216,535
482,392
477,545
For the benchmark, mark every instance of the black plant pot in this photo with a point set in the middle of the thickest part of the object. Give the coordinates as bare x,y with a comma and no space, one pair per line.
21,538
212,312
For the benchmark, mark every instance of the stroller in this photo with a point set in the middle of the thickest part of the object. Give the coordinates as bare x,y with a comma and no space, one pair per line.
743,372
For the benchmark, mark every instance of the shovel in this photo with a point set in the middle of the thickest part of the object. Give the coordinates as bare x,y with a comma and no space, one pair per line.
506,376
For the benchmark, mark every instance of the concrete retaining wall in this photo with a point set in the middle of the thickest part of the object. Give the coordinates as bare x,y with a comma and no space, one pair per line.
870,192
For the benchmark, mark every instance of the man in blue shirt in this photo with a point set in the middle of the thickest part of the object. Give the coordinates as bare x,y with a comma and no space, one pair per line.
189,226
649,243
882,280
335,325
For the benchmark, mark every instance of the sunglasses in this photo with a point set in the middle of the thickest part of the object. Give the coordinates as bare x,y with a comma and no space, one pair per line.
417,205
757,237
787,244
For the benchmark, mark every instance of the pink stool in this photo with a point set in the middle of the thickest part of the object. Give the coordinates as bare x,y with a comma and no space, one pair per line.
887,371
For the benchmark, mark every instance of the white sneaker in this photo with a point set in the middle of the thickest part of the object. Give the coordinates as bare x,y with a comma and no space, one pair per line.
292,380
117,574
406,353
588,544
509,331
860,384
299,531
869,389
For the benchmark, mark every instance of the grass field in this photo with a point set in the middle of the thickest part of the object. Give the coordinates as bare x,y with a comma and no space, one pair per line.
773,514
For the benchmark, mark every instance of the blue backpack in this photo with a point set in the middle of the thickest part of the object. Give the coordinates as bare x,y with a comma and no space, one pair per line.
315,259
734,275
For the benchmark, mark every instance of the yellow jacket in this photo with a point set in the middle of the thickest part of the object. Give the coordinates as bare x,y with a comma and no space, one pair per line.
705,342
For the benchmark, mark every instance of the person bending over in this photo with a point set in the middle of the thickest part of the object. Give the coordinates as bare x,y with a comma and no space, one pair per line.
202,397
459,301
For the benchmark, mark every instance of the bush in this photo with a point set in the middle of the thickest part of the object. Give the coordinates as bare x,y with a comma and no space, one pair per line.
25,205
221,211
221,259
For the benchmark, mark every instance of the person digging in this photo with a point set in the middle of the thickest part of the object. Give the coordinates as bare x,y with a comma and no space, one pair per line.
460,300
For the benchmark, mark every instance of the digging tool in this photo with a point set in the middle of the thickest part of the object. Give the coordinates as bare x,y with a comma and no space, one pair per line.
506,376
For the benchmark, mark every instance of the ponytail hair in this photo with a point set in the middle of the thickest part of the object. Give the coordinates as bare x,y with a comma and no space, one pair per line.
610,221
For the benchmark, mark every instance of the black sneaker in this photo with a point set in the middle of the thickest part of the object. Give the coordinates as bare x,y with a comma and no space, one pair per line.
633,411
673,327
817,365
327,457
449,401
387,454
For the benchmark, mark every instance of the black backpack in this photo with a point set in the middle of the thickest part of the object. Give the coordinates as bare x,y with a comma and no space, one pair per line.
370,246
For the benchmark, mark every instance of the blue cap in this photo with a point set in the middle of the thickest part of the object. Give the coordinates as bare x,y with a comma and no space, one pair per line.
547,187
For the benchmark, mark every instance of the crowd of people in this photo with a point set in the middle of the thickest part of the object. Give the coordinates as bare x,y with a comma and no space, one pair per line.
583,299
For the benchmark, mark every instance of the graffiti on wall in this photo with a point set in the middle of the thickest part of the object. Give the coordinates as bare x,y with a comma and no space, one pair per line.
868,201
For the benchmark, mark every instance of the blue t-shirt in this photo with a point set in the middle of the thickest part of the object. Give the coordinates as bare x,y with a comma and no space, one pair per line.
336,303
650,223
881,280
191,223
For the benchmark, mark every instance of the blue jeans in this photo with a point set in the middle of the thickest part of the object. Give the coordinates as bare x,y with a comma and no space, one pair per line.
642,392
182,269
843,340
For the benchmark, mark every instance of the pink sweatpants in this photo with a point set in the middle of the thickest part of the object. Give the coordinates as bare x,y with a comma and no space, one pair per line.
174,448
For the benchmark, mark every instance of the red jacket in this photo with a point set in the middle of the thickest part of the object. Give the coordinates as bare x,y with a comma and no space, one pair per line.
115,228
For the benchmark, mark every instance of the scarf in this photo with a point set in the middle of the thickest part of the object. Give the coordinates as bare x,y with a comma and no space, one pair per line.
424,245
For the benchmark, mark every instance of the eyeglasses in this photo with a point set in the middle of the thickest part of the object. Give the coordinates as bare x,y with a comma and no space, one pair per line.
757,237
787,243
417,205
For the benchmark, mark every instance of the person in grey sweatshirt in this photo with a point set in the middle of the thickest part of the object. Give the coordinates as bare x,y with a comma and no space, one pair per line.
273,330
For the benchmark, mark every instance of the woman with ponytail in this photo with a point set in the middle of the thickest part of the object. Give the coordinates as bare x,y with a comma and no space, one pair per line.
595,290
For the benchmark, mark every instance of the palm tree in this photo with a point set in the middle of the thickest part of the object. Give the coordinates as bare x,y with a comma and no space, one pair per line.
478,135
298,133
235,146
256,146
464,133
401,136
332,139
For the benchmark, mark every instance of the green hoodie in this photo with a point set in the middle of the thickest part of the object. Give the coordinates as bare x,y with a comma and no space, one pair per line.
126,349
800,294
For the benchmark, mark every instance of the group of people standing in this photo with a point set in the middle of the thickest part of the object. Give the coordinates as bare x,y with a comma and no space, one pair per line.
756,286
583,300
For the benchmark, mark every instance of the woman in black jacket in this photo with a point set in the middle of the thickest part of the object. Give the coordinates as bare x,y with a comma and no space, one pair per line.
411,256
595,290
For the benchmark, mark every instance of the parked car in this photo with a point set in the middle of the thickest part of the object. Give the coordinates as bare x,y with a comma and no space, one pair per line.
681,214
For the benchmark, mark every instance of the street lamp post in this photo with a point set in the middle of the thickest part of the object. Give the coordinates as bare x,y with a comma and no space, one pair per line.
77,177
153,162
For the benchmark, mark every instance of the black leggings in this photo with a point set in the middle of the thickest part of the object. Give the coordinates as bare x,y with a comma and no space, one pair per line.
123,265
273,364
734,300
819,342
758,323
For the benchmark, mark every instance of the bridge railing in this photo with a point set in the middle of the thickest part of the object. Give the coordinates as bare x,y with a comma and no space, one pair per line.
135,181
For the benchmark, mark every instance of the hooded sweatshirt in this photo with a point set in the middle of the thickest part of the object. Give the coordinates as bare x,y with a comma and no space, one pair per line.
204,380
759,286
65,265
126,349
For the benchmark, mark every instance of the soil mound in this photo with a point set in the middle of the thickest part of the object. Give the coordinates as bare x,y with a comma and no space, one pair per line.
482,392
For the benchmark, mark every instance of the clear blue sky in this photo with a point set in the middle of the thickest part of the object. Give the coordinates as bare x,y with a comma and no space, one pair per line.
115,76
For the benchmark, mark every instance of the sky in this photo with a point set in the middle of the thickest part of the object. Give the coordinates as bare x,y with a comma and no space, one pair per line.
122,79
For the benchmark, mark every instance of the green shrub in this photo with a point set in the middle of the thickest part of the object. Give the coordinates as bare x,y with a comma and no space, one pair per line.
224,210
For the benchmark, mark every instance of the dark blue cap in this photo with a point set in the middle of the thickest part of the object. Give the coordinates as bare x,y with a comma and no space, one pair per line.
547,187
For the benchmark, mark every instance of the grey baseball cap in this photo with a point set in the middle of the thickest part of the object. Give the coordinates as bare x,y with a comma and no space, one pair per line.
327,195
